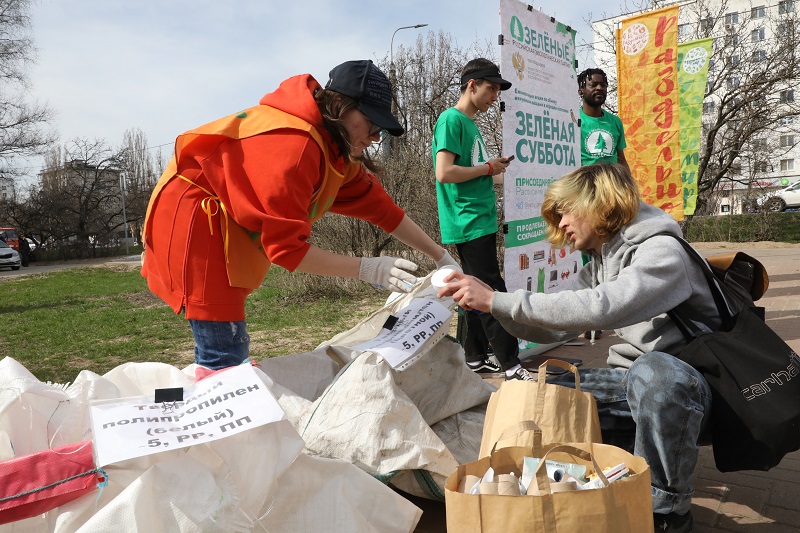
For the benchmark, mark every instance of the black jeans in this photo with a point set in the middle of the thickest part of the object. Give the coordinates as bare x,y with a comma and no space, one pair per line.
479,259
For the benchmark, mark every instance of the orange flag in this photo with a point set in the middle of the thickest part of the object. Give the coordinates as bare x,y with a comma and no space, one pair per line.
647,74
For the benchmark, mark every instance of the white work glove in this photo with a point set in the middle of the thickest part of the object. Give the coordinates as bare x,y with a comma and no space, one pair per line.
447,260
388,272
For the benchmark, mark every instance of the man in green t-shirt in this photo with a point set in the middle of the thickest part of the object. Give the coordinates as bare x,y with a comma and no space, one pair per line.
602,135
468,210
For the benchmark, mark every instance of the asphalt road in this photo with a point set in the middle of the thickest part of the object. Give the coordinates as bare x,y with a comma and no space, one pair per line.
52,266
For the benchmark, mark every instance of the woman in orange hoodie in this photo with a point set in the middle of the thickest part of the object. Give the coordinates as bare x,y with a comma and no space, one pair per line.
242,193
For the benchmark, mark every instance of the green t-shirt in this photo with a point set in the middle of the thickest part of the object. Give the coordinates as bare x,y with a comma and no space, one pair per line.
601,138
467,210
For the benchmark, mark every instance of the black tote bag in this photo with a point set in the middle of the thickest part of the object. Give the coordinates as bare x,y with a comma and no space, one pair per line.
755,382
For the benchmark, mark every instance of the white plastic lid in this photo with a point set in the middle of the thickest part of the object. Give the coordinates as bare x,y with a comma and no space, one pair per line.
437,279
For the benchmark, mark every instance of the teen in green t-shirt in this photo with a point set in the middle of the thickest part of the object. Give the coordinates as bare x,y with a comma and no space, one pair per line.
468,211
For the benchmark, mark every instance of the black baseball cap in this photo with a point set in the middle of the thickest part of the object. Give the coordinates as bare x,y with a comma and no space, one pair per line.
368,85
491,74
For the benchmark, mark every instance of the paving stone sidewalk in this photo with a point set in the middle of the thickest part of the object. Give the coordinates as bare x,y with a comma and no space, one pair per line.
758,502
740,502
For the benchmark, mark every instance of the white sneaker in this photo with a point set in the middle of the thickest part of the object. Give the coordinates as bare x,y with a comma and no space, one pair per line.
485,367
520,374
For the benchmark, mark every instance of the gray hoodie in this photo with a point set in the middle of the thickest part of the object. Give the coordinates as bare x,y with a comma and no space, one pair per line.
629,287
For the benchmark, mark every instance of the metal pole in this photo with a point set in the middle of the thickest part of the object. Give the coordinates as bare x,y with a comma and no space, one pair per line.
393,81
124,215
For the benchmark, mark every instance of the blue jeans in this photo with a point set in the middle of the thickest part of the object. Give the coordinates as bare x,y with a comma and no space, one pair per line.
659,403
220,345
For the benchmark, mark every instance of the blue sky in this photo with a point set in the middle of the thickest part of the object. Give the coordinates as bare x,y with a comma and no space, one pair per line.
106,66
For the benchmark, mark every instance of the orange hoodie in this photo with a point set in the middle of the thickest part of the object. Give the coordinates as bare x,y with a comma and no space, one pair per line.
265,182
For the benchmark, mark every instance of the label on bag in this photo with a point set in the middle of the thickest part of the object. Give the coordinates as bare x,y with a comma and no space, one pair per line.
416,323
775,379
219,406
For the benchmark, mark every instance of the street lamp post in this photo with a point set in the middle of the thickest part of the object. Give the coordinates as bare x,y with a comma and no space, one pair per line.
124,215
393,76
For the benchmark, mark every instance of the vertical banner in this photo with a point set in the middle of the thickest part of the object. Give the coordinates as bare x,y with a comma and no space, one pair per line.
692,77
647,74
540,128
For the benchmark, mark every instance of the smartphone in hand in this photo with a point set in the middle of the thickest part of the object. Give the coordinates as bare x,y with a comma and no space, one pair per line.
510,158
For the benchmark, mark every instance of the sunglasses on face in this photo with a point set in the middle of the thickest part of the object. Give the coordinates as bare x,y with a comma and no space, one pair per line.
373,129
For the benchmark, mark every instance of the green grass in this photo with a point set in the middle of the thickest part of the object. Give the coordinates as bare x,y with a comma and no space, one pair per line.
97,318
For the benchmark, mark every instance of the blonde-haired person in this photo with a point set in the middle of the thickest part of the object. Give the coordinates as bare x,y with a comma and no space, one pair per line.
605,195
615,203
650,402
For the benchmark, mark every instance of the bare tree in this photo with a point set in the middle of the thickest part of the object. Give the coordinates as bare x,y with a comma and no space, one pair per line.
749,98
78,203
428,82
139,177
22,124
79,200
746,96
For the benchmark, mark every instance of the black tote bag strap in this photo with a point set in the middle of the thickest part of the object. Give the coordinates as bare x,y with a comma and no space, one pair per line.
690,330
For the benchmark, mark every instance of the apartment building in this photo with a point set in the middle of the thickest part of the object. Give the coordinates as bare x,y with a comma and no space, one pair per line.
6,188
751,111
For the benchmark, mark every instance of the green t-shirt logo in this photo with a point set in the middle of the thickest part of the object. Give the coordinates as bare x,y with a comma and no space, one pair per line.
599,143
478,152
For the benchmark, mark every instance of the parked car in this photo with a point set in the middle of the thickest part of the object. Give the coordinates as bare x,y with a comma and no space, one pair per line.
782,199
9,236
9,257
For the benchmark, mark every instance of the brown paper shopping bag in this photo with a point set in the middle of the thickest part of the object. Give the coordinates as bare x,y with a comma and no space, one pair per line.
562,413
623,506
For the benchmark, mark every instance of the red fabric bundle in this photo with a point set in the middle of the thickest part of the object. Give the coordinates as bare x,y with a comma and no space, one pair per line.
36,483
